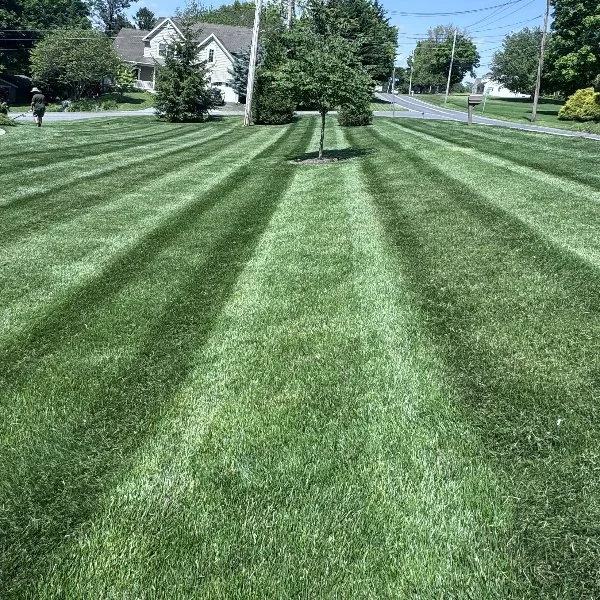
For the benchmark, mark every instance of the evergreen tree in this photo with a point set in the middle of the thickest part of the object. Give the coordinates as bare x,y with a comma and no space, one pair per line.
110,15
144,18
182,89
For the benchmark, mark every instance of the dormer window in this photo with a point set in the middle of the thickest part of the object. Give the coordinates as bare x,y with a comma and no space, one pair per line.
162,49
211,56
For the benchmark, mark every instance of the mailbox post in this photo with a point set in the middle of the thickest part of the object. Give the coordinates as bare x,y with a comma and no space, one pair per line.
473,102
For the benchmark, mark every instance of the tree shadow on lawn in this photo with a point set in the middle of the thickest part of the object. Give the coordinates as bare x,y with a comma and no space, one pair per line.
330,156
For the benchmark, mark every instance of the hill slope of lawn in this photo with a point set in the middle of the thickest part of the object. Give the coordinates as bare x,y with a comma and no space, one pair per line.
226,375
514,109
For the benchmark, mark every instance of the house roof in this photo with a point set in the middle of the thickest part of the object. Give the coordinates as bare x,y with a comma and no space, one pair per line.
129,43
130,46
21,82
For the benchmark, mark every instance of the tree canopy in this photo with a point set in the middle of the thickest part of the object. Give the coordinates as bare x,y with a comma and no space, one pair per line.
515,66
74,62
110,15
144,18
21,23
431,59
574,49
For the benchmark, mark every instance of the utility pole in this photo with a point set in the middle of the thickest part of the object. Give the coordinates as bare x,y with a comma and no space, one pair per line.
291,11
252,65
450,70
538,82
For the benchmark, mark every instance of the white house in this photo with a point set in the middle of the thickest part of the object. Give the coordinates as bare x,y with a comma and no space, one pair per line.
145,50
494,89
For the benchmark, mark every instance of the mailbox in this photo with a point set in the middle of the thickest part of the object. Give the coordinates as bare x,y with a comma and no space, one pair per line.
475,100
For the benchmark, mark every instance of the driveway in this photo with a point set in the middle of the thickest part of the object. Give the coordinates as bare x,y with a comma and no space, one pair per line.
416,108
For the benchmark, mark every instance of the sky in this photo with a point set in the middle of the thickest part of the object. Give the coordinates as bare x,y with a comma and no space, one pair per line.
487,27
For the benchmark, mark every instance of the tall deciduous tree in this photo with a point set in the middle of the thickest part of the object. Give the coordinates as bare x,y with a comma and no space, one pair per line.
325,71
183,92
23,21
515,66
574,49
431,58
74,62
110,15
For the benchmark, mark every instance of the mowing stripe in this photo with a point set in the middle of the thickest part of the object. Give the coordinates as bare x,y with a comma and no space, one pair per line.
569,223
301,459
29,193
533,150
587,192
60,267
197,258
516,321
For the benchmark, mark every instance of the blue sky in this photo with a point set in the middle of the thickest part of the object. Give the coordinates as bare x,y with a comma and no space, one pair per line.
487,27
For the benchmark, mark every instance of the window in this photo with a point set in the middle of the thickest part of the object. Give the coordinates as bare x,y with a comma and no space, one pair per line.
211,56
162,49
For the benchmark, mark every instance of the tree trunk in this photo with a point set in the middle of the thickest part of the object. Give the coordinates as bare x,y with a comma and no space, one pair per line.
323,114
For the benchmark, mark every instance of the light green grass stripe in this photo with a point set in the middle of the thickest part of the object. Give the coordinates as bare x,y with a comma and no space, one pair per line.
51,264
562,210
305,456
106,165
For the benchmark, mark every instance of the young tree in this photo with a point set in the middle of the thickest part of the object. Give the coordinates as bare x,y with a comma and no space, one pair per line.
325,71
124,79
515,66
182,89
110,15
144,18
74,62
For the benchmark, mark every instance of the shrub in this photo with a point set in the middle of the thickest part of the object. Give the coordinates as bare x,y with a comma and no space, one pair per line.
357,115
3,108
583,105
6,122
272,104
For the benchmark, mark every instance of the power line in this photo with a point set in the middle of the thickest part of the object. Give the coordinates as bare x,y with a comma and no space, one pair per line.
449,14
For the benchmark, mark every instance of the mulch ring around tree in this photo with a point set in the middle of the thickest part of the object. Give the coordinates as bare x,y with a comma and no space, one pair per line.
329,156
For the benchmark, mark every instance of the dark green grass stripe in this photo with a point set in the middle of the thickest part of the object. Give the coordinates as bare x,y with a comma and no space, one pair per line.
89,191
516,321
61,481
571,269
93,171
121,139
538,152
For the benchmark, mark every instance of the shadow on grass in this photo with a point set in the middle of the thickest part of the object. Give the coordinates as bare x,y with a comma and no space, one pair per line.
64,475
329,156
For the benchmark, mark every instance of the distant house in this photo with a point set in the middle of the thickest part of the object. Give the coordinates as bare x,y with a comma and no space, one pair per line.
487,85
219,44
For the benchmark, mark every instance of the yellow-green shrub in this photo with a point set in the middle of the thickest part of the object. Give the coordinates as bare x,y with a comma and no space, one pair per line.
583,105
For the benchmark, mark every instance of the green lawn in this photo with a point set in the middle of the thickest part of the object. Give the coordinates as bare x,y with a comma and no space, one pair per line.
514,109
135,100
225,375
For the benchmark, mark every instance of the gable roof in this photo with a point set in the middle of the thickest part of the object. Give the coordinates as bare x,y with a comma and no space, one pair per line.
130,46
235,39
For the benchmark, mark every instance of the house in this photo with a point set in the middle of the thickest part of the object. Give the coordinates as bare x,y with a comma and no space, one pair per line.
487,85
145,50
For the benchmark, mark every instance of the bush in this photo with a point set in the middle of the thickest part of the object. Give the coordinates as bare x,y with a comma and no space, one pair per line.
357,115
93,105
6,122
272,104
3,108
583,105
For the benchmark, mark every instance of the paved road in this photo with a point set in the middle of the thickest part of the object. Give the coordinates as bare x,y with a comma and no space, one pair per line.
417,108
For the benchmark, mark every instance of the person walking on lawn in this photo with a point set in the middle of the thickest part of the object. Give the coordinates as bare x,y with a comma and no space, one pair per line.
38,105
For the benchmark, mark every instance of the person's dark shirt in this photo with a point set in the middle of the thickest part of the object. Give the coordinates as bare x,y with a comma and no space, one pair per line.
38,101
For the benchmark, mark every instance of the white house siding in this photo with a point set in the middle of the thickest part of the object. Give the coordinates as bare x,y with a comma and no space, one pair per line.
165,35
219,69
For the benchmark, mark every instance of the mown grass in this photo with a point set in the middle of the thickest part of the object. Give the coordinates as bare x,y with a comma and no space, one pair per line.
514,109
229,376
